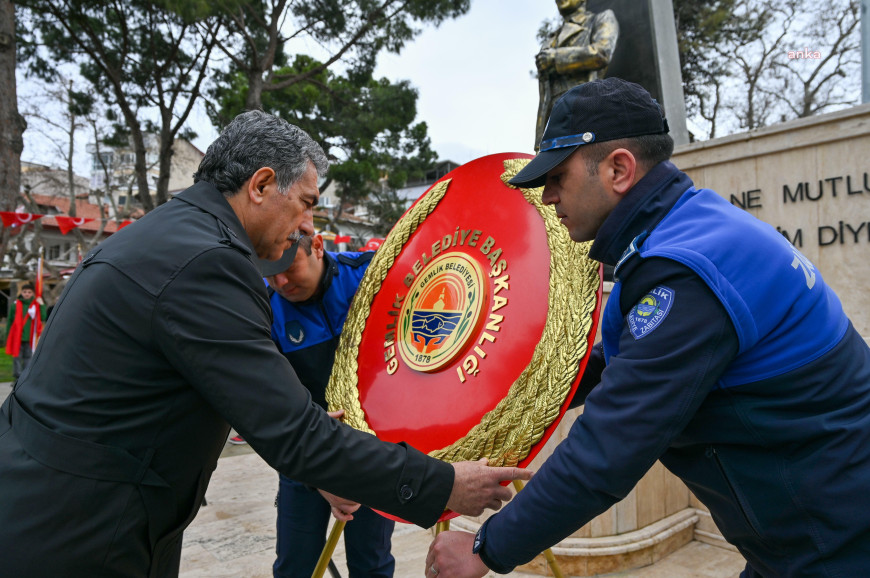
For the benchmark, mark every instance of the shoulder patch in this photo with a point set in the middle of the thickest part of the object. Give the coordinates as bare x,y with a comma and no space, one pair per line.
355,259
650,311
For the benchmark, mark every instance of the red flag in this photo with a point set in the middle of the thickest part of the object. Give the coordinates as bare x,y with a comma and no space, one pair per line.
67,224
15,219
124,223
373,244
342,239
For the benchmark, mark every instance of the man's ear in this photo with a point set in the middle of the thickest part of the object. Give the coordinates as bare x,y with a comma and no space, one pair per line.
317,246
621,170
257,184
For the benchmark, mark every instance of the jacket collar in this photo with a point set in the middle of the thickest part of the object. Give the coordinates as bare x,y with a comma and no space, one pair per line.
642,208
205,196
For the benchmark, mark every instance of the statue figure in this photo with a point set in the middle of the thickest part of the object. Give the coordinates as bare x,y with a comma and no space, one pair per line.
579,51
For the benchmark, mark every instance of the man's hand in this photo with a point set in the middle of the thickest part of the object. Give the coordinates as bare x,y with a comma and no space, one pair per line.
342,509
450,557
476,486
338,414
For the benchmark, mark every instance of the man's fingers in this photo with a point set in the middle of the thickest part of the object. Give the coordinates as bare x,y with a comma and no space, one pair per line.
338,414
503,494
509,474
341,515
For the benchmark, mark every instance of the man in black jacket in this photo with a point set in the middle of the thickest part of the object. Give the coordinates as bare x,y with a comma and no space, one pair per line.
159,342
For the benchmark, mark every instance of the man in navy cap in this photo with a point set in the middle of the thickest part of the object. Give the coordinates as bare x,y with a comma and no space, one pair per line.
728,358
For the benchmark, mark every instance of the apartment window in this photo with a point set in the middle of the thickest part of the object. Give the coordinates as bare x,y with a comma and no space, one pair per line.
122,200
106,159
53,253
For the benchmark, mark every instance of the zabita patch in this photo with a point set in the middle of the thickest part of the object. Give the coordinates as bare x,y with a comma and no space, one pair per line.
650,311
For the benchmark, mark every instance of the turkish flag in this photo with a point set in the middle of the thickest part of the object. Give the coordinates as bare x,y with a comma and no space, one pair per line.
124,223
11,219
373,244
342,239
67,224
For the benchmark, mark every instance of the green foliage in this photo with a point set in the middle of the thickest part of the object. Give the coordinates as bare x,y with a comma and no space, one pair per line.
385,207
6,367
365,125
704,29
369,26
144,59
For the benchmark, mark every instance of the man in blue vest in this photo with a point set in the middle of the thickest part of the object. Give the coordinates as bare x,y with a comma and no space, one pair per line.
310,292
728,358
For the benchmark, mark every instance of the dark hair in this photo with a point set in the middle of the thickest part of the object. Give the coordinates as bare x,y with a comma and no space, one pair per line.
305,244
648,149
254,140
27,286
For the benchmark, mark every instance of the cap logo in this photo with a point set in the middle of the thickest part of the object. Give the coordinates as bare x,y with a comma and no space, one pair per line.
567,141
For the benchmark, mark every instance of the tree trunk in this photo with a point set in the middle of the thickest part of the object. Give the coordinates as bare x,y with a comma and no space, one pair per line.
138,139
254,100
12,124
164,163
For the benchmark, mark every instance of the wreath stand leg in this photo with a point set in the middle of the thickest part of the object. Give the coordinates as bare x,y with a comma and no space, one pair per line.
328,549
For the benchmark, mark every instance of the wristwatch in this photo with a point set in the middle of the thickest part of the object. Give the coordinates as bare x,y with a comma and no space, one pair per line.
477,548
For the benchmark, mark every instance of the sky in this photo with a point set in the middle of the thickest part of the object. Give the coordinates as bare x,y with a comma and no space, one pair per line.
473,74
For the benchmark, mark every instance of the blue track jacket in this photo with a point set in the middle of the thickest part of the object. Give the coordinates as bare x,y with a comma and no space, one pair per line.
308,332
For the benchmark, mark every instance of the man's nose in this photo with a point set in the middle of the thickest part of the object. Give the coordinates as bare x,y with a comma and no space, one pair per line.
548,197
307,225
280,280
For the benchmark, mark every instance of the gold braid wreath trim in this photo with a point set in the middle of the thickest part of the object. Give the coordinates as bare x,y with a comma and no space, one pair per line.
506,434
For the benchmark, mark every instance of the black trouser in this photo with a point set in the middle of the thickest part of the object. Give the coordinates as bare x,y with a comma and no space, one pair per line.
19,364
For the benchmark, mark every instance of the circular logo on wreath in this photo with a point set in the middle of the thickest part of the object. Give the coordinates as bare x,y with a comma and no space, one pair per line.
441,311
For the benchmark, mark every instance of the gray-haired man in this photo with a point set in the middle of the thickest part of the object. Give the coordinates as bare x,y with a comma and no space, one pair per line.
160,341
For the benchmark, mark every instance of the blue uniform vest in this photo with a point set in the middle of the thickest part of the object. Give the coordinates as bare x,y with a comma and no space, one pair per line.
784,313
301,325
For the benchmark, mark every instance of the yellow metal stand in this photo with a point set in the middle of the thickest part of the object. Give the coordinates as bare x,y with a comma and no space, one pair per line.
328,549
442,527
332,542
548,554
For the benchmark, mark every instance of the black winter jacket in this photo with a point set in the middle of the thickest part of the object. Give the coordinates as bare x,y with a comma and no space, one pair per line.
160,342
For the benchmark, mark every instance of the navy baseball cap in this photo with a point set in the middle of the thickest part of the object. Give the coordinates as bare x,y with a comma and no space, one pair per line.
269,268
596,111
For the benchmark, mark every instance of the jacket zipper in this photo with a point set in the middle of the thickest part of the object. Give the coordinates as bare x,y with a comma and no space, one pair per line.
713,452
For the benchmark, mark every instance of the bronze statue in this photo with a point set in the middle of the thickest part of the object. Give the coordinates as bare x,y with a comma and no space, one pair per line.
579,51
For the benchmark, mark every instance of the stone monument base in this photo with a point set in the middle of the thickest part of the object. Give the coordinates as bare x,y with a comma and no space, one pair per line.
591,556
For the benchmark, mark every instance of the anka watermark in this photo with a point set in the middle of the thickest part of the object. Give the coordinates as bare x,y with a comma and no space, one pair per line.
806,53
